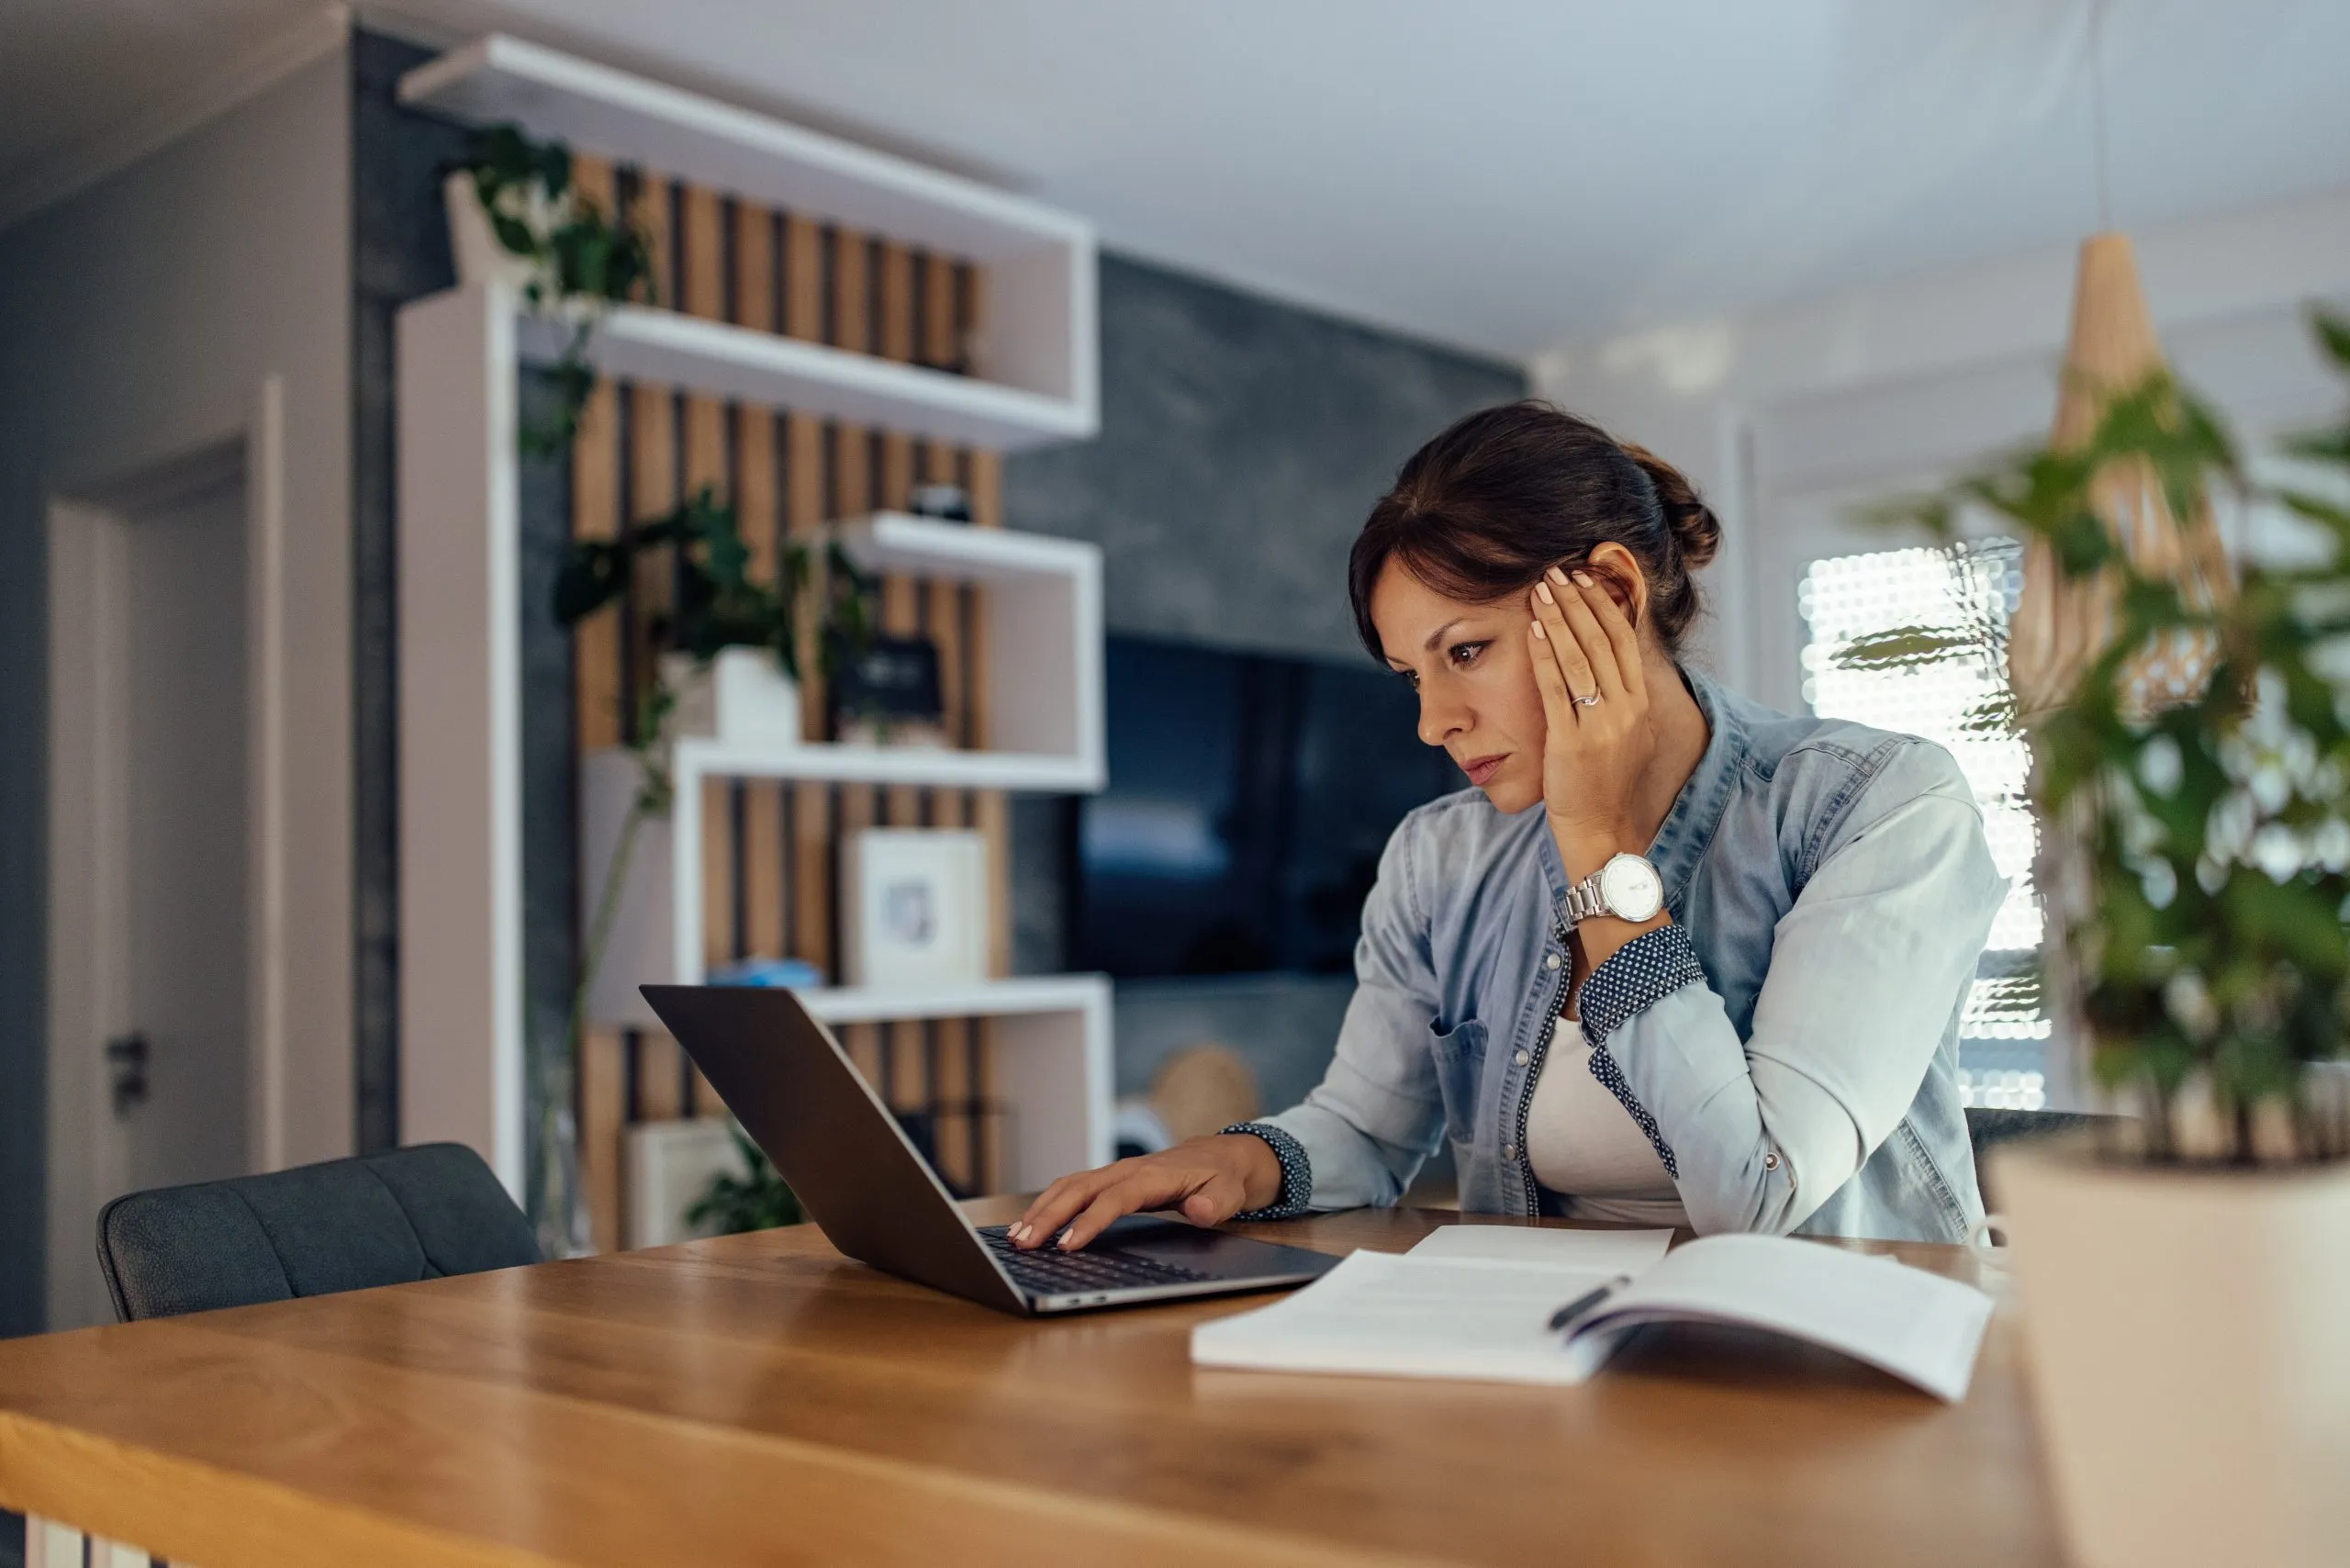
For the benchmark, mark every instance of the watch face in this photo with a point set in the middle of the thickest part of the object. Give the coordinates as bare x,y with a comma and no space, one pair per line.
1632,887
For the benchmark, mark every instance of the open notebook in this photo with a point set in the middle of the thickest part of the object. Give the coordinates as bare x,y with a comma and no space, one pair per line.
1488,1318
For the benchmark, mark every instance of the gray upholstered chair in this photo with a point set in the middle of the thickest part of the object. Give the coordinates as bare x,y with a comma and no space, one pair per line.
1986,1126
345,1224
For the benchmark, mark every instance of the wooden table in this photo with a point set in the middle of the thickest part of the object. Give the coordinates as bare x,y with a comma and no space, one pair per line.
760,1399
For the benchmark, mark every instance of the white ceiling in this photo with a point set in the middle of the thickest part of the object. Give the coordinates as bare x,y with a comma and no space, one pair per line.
1503,174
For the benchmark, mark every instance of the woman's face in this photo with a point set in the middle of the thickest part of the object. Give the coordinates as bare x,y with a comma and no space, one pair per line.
1468,662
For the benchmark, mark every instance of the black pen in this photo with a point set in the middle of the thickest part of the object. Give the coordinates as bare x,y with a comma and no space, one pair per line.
1586,1300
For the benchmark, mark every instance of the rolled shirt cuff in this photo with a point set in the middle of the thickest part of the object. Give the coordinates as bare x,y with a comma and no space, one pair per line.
1641,973
1638,976
1297,1173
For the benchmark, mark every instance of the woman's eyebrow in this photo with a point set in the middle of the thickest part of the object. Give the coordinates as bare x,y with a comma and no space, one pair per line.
1438,635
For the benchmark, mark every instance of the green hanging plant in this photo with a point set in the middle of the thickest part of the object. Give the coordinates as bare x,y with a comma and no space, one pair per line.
582,262
717,604
2212,952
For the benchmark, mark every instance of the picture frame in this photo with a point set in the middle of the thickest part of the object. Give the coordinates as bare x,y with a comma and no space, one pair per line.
919,915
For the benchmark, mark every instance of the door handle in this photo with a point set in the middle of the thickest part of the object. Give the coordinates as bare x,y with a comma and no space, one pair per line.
128,1055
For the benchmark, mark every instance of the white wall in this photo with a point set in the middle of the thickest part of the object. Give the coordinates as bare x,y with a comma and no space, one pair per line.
137,321
1784,418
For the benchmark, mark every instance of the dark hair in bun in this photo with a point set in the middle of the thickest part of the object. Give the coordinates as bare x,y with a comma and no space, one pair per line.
1483,510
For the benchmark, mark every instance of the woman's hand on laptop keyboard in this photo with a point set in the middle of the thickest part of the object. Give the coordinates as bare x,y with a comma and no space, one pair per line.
1206,1180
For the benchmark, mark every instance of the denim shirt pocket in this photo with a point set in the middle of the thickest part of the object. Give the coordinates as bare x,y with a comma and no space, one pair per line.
1460,1072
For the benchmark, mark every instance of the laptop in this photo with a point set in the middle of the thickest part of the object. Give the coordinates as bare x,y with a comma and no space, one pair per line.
875,1197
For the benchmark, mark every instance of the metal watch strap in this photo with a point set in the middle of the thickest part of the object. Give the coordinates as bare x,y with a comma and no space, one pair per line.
1583,901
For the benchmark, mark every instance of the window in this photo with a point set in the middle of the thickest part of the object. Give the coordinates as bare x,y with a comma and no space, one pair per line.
1951,700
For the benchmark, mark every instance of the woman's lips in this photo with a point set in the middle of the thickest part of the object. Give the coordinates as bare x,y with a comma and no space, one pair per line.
1481,772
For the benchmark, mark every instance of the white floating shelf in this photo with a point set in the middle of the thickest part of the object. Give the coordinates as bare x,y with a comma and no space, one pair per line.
988,998
637,343
943,767
1037,352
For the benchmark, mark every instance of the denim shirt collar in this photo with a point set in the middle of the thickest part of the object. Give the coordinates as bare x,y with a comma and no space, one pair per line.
1688,828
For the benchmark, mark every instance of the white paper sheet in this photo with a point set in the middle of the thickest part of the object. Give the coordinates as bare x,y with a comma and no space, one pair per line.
1393,1316
1608,1251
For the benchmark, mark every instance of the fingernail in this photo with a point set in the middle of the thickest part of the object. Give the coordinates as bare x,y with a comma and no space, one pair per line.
1065,1233
1540,633
1582,580
1542,591
1557,575
1017,1233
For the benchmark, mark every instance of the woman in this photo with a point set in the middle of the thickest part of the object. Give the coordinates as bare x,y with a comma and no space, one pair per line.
1715,979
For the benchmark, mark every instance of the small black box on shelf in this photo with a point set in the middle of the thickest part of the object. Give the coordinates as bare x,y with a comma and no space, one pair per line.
887,692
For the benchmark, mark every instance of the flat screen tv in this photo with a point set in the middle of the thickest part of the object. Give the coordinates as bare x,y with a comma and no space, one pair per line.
1249,797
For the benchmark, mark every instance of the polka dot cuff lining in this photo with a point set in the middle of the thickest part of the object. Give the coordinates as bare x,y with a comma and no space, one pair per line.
1643,972
1297,1173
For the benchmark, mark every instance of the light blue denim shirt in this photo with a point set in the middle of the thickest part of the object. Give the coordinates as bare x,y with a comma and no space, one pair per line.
1789,1043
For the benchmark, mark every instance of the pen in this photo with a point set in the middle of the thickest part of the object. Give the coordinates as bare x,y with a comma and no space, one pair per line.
1586,1300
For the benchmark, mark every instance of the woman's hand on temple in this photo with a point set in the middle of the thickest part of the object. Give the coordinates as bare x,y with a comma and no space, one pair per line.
1600,739
1207,1180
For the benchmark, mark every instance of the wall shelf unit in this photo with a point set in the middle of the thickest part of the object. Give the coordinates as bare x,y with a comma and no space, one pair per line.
1036,370
462,1025
1043,661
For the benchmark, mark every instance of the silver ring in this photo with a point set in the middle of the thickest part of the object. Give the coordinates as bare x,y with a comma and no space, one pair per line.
1590,701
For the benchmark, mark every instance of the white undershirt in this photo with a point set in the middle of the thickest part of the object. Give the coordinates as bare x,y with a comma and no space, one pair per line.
1585,1147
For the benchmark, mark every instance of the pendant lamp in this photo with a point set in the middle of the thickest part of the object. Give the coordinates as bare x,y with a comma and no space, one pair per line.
2060,625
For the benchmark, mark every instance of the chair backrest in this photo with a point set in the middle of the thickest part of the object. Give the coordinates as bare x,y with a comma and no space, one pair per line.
1987,1125
344,1225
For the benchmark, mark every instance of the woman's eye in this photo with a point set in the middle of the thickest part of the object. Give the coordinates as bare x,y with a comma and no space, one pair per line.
1409,678
1466,653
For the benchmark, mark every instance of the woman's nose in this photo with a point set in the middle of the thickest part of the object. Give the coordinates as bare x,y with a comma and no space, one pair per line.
1440,718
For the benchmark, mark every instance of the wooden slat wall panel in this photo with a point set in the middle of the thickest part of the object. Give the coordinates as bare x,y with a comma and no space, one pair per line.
701,261
653,492
758,496
849,326
772,851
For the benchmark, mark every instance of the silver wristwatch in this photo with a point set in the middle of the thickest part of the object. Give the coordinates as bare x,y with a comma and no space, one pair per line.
1627,887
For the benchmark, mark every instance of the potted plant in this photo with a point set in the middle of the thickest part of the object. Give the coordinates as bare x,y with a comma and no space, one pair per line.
2185,1279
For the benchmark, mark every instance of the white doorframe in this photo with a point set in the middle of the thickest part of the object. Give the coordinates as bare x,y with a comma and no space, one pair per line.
88,828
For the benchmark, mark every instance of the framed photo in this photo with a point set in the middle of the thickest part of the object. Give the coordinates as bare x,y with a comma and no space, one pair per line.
919,910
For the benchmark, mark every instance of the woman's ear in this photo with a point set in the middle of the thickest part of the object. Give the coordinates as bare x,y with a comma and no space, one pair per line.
1618,570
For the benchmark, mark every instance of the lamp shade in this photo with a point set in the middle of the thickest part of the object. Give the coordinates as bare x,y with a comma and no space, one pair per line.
2060,626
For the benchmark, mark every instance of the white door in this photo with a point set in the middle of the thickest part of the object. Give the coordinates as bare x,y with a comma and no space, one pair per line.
150,848
184,936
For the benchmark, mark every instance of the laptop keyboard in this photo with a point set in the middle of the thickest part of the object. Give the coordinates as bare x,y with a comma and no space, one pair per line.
1048,1271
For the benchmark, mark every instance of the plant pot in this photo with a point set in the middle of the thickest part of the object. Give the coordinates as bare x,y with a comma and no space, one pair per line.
2189,1334
479,258
741,697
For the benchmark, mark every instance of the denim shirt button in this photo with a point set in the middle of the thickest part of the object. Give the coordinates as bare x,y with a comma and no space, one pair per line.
1551,962
1522,1059
1770,1160
1509,1151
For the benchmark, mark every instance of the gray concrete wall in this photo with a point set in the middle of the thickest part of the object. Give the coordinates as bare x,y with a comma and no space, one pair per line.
399,253
1242,442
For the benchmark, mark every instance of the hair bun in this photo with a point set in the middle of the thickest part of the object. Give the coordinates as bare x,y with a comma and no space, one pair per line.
1696,532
